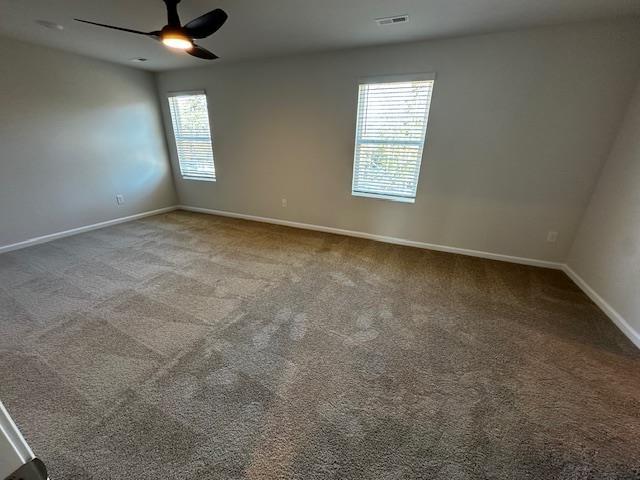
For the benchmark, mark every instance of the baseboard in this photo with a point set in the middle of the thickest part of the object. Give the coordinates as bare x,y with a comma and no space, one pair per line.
86,228
615,317
380,238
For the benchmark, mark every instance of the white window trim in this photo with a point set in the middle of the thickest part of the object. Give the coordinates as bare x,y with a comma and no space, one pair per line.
389,78
405,77
179,93
391,198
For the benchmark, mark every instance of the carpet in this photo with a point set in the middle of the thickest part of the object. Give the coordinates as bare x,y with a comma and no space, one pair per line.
186,346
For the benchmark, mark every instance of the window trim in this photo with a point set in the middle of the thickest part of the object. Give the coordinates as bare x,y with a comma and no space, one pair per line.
405,77
379,196
392,78
182,93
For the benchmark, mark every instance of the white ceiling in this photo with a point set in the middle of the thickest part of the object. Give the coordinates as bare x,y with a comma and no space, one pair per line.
259,28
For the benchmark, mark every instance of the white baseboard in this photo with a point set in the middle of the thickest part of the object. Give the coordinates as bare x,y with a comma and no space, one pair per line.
380,238
615,317
86,228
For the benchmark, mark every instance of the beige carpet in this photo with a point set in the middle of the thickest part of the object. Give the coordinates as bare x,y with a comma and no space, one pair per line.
186,346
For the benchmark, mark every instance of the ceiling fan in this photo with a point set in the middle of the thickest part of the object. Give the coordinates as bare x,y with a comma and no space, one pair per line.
181,37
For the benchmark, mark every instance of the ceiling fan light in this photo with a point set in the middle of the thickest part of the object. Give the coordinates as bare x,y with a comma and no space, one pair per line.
177,41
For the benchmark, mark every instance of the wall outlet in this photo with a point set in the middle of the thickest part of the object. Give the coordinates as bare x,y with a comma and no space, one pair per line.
284,203
552,237
120,199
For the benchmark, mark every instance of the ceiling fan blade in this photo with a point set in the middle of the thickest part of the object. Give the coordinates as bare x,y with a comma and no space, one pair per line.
203,53
206,24
151,34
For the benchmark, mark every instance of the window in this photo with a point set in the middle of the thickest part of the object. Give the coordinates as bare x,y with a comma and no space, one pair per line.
390,134
190,120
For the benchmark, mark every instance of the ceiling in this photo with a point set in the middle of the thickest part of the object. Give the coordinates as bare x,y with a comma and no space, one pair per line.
261,28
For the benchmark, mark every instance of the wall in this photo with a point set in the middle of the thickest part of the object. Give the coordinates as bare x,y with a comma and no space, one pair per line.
520,125
606,253
73,133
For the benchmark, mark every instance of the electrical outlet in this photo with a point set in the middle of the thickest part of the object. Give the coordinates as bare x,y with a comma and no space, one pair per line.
284,203
552,237
120,199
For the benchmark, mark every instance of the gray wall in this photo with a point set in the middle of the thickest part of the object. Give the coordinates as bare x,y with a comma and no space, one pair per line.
606,253
73,133
520,126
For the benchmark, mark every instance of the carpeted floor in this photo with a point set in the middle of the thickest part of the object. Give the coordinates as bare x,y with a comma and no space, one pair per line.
186,346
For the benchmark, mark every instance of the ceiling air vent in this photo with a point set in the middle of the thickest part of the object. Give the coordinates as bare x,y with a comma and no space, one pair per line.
392,20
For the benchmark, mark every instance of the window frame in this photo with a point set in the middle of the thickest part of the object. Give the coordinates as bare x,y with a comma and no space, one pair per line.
396,78
186,93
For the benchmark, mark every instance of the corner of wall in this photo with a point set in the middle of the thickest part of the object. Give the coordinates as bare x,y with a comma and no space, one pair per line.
165,130
597,261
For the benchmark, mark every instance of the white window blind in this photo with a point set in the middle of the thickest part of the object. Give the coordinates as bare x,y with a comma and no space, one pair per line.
190,119
390,134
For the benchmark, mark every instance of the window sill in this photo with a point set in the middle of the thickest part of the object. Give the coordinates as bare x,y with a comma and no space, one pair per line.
199,179
384,197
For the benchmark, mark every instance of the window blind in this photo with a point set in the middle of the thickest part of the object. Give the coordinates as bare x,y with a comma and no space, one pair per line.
390,134
190,119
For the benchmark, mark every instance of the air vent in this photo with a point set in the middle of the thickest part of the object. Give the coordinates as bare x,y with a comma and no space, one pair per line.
392,20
